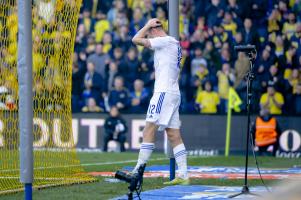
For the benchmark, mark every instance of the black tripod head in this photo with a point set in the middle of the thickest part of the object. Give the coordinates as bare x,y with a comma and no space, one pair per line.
250,50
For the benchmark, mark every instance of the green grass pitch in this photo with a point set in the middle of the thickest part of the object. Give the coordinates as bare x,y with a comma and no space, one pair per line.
95,162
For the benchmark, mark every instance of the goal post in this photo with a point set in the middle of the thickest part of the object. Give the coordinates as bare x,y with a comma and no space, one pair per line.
173,30
24,69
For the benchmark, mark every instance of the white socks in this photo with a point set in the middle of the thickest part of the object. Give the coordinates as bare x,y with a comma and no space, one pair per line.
181,159
145,152
179,151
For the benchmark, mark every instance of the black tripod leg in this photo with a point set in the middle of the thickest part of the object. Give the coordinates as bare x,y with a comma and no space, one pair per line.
235,195
130,196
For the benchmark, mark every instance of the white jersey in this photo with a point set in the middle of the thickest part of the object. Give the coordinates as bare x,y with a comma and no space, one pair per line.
167,60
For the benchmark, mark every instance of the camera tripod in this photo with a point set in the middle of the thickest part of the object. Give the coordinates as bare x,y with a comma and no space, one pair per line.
250,77
135,181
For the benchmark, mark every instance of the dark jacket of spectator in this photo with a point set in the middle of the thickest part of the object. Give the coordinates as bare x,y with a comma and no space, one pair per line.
119,96
129,70
139,97
93,84
250,35
214,13
297,101
78,74
115,129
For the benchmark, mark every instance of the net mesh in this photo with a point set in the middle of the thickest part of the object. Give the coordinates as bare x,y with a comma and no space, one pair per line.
55,160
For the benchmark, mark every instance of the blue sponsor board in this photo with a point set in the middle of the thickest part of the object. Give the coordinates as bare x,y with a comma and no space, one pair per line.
196,192
204,169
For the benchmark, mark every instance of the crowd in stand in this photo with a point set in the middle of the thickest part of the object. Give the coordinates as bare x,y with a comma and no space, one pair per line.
108,70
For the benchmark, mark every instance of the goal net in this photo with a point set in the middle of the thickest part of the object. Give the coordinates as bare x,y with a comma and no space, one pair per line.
54,25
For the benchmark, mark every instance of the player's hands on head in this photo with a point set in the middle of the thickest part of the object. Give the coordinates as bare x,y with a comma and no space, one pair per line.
153,23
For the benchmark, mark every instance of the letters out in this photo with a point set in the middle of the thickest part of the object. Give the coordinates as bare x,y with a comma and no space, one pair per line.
53,129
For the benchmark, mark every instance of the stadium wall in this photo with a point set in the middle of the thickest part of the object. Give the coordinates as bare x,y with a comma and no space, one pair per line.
203,134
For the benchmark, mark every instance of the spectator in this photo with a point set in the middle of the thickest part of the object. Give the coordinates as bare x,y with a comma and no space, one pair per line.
266,133
197,61
279,46
91,46
226,55
289,27
121,20
262,66
249,34
119,95
297,9
93,84
122,38
107,42
283,8
235,9
289,62
91,106
139,97
258,11
101,26
137,22
111,74
184,82
214,11
295,80
78,73
115,129
147,74
198,79
197,40
118,6
207,100
295,39
117,55
238,39
274,21
99,59
229,24
212,56
272,100
201,24
219,36
276,78
129,68
226,79
161,15
297,100
148,11
81,40
208,35
88,21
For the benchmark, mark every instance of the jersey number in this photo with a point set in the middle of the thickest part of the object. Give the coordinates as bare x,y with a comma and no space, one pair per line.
151,109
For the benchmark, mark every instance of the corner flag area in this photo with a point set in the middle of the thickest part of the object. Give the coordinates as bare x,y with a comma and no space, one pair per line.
208,179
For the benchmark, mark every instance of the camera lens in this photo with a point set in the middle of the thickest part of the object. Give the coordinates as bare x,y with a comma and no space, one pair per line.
123,176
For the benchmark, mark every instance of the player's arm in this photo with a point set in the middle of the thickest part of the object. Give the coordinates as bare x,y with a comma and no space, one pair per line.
140,37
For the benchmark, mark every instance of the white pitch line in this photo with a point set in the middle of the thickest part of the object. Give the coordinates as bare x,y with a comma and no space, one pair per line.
13,177
85,164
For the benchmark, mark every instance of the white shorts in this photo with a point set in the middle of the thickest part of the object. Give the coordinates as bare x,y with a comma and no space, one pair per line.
163,110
